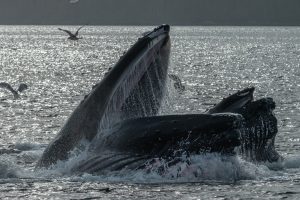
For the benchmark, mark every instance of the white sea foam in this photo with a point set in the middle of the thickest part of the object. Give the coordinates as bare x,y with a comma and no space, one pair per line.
27,146
212,62
8,169
200,168
291,162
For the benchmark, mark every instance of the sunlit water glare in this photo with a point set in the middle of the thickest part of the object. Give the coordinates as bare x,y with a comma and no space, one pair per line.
212,63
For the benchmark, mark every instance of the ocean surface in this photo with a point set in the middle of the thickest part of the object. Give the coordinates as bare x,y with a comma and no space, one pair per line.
212,63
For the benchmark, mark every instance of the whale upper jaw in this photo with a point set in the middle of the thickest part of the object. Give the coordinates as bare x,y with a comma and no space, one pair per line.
111,100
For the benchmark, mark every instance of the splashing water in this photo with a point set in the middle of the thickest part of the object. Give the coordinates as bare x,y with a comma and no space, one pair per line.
211,61
139,97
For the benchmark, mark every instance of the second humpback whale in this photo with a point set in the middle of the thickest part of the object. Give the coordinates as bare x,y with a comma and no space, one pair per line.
259,132
119,117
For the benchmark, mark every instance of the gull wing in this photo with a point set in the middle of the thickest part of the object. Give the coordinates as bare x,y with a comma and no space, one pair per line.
78,30
67,31
8,87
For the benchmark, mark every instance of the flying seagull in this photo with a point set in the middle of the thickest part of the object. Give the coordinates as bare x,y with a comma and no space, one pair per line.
21,88
74,1
71,35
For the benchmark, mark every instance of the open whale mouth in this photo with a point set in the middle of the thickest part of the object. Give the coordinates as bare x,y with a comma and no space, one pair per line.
137,82
134,87
119,115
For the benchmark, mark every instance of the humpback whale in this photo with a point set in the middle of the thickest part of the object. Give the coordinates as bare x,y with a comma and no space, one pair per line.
72,36
134,87
259,132
129,98
120,122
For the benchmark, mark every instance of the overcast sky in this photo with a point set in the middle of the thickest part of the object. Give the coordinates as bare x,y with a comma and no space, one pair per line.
151,12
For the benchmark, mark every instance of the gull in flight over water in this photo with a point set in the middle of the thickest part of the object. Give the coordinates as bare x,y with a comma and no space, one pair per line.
74,1
71,35
21,88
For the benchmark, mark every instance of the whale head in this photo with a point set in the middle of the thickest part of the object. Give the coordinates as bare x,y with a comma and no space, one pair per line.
234,102
134,87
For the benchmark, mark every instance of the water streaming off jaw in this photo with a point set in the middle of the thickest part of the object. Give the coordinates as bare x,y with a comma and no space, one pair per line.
141,92
258,140
212,63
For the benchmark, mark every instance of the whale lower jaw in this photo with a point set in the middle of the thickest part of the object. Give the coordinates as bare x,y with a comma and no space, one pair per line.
110,161
133,143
